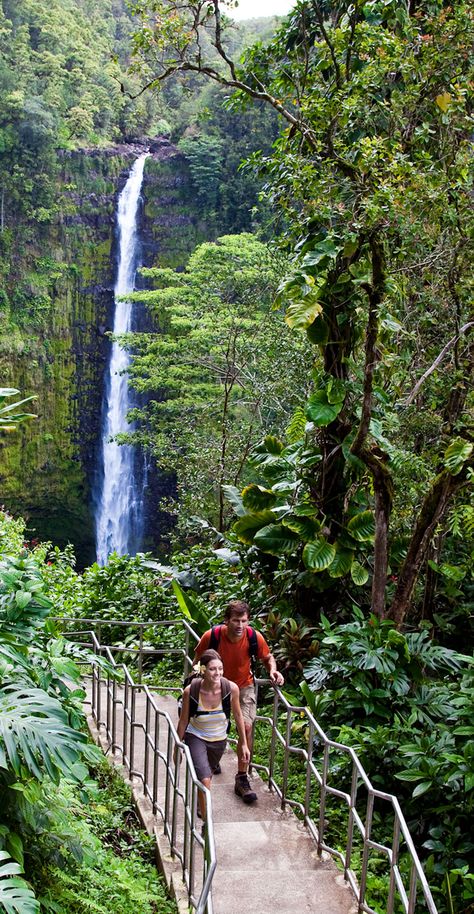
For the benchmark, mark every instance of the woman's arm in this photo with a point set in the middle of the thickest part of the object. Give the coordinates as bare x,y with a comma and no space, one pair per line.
184,716
239,722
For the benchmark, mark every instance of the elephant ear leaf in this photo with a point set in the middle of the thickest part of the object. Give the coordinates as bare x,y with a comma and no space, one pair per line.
276,539
16,897
319,554
362,527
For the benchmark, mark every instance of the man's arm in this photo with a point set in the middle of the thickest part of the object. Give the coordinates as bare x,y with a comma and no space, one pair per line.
202,646
269,663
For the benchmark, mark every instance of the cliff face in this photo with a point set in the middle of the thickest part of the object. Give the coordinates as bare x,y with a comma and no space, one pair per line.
54,315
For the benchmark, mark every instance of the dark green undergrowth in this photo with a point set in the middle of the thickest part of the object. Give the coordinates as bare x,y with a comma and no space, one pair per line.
94,858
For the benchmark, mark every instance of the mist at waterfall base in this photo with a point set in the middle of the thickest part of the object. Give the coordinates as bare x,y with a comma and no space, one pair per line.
121,477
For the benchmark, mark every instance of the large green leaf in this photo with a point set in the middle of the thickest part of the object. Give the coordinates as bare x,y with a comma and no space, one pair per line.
246,527
456,455
319,554
233,495
191,609
321,254
16,897
362,526
257,498
359,574
302,312
34,733
342,562
273,445
276,539
306,527
320,410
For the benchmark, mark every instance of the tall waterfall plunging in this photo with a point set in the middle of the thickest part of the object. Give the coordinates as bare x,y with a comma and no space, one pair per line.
119,497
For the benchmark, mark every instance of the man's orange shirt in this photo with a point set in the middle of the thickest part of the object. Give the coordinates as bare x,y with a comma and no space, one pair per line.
235,655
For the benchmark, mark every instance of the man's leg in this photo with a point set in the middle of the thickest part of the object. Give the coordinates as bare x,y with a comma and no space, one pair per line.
248,705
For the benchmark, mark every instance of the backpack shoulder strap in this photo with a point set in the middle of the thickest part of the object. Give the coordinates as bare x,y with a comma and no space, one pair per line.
226,696
253,644
215,637
253,648
194,690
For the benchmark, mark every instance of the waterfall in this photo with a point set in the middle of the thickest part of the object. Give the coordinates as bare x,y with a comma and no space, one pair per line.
119,497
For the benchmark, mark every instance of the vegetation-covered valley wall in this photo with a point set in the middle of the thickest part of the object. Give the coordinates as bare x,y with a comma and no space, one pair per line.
55,316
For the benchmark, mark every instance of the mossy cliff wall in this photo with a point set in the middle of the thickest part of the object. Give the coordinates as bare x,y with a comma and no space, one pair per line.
55,311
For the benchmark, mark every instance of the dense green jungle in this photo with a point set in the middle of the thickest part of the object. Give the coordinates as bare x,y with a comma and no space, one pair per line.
301,371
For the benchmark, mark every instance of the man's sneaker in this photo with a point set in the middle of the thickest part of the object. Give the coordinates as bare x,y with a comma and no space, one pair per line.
217,769
243,789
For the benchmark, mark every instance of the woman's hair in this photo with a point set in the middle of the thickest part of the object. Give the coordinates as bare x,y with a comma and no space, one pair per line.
209,655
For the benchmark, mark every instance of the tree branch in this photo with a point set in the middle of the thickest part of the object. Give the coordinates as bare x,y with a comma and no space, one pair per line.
432,511
437,362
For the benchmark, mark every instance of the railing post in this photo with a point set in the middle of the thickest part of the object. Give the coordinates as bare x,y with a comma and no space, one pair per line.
187,663
271,762
132,729
140,656
365,852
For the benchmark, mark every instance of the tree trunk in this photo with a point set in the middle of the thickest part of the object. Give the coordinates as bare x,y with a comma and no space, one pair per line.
432,511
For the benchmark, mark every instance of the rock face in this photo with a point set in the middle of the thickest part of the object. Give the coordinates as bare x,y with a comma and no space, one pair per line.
54,319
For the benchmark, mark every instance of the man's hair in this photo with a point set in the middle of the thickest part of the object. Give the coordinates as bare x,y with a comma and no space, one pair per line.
236,608
209,655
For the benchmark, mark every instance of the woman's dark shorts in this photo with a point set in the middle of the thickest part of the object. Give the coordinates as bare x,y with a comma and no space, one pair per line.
206,756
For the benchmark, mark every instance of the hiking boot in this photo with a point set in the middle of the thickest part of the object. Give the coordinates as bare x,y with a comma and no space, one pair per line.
243,789
217,769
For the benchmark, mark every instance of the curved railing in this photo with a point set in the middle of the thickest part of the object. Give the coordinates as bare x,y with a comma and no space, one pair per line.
168,778
407,887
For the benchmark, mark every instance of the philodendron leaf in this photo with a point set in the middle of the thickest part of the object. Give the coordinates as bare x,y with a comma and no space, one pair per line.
456,455
257,498
362,527
301,313
342,562
306,527
246,527
319,554
276,539
359,574
320,410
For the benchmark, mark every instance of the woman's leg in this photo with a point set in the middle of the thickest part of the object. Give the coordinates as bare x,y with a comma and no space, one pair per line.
202,798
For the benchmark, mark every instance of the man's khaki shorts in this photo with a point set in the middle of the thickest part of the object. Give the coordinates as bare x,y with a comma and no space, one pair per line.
248,703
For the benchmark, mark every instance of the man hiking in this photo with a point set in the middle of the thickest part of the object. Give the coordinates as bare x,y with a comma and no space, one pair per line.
237,643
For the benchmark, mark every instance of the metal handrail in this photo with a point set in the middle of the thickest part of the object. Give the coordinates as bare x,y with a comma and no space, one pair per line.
318,780
181,785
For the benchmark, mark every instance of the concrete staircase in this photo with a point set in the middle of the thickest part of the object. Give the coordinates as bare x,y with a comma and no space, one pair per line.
266,860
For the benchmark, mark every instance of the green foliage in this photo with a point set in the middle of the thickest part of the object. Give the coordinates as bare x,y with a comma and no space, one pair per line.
41,717
372,179
10,417
204,154
15,896
290,526
95,857
218,370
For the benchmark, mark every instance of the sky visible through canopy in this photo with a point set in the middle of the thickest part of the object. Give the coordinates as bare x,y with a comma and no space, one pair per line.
252,9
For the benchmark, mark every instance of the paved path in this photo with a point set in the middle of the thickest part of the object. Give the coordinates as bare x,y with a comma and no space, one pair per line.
266,861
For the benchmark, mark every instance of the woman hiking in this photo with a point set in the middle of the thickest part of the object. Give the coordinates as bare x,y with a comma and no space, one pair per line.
203,720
